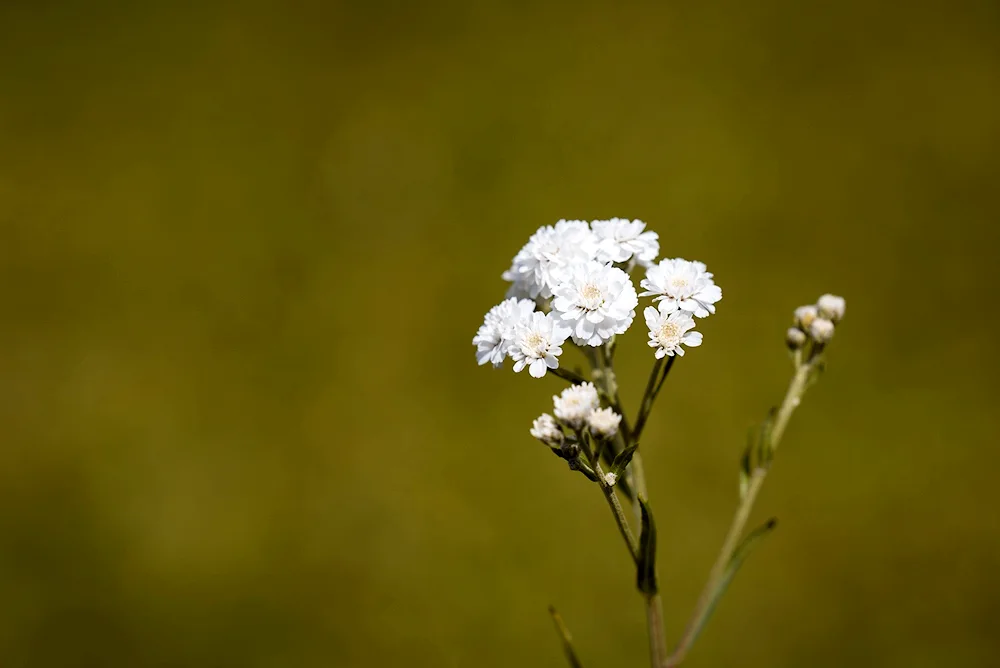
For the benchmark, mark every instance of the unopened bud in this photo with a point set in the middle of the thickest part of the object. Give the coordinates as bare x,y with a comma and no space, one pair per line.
821,330
611,478
547,430
795,338
804,315
604,423
831,307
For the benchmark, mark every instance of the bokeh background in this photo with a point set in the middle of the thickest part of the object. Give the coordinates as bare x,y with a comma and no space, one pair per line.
244,247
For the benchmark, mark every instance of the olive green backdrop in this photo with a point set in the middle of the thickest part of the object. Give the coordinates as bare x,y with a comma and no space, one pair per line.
244,248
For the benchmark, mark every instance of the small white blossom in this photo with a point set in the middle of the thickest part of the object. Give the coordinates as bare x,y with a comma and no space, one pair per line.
604,422
620,239
821,330
547,430
495,335
576,403
537,342
546,260
668,330
832,307
597,301
804,315
611,478
682,285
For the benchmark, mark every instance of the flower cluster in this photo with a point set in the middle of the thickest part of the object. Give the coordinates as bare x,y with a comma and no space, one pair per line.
577,412
571,281
816,323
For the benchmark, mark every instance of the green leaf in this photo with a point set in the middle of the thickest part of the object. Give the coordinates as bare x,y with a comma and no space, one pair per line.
567,639
623,459
746,468
646,566
765,444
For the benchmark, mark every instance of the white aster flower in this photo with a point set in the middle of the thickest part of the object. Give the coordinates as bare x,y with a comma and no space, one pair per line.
668,330
546,259
537,342
576,403
682,285
495,335
604,423
831,307
597,300
620,239
547,430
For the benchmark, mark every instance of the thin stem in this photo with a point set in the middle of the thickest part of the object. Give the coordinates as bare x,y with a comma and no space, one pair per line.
609,494
652,391
566,374
704,605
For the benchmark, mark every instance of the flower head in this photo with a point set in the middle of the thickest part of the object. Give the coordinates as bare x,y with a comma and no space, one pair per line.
495,335
620,239
682,285
546,260
604,422
536,343
576,403
597,300
795,338
547,430
804,315
668,330
821,330
831,307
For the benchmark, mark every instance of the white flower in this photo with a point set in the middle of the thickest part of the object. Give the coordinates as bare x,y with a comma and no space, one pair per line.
821,330
547,430
611,478
597,300
668,330
680,284
804,315
620,239
831,307
604,423
537,342
546,259
576,403
495,335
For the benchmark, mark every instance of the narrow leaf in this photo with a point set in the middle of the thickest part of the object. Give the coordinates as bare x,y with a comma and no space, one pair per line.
623,459
735,561
765,444
646,566
567,639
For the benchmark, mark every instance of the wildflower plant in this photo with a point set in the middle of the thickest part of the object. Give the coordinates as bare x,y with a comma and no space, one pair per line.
571,286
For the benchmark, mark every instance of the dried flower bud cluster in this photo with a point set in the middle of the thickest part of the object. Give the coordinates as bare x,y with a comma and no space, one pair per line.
816,323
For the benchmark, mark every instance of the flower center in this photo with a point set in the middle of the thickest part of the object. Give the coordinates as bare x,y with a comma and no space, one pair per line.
535,342
669,333
592,296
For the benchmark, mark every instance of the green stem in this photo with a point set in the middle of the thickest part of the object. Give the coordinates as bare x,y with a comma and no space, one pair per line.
717,575
652,391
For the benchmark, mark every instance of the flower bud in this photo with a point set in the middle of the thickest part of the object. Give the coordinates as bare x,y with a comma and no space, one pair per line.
831,307
611,478
604,423
821,330
795,338
546,430
804,315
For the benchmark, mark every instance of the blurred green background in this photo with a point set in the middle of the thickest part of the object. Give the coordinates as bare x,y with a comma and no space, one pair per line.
244,248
